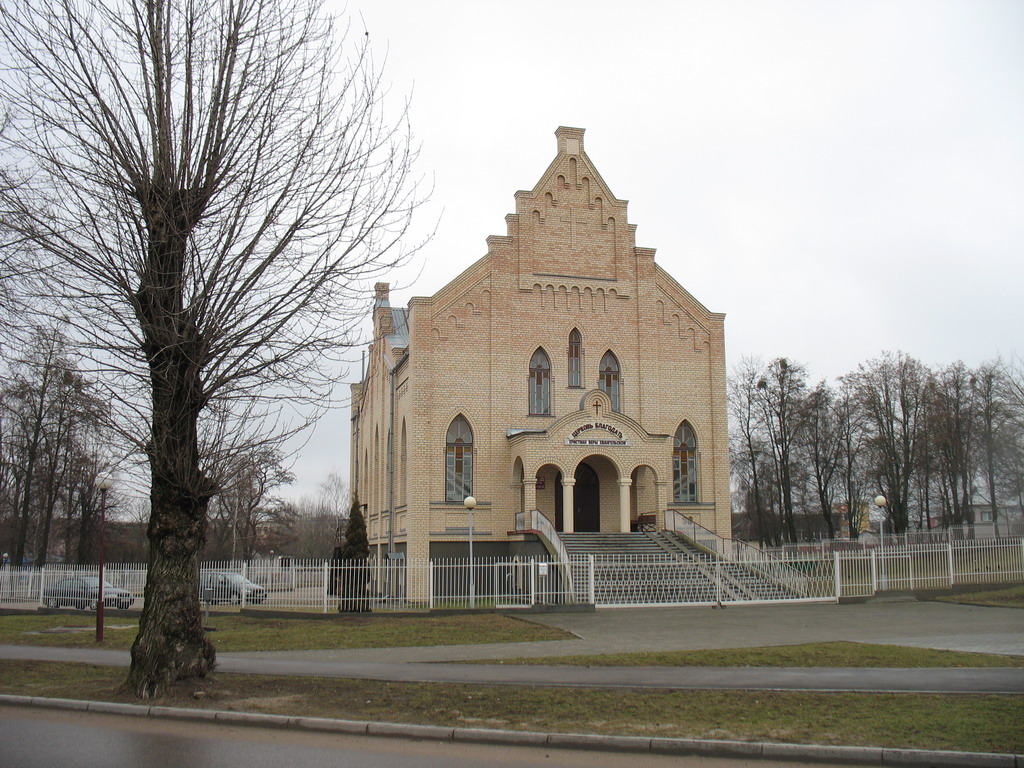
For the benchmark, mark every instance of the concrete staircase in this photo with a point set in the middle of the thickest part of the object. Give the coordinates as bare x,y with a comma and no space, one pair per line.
663,567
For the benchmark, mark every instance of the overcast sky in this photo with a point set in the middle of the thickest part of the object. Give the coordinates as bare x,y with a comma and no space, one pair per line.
839,178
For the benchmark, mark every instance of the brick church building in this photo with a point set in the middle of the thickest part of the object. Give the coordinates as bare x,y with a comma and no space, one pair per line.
564,372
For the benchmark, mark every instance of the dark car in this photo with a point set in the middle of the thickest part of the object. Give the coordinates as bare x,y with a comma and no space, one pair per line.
84,592
227,587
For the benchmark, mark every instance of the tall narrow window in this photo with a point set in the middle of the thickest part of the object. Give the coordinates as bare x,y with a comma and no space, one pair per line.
575,352
459,460
684,464
608,379
403,459
540,384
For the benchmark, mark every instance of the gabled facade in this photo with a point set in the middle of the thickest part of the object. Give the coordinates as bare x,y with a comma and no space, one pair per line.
565,371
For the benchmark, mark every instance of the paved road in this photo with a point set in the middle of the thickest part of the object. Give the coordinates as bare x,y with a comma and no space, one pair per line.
38,738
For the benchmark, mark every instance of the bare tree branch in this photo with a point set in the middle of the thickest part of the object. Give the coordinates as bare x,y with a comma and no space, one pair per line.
212,186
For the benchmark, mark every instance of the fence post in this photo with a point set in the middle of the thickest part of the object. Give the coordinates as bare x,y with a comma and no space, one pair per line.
910,566
874,573
430,584
591,586
327,582
837,575
949,555
42,583
718,581
533,580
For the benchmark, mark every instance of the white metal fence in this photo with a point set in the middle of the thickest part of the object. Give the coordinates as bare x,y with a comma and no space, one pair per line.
982,531
398,584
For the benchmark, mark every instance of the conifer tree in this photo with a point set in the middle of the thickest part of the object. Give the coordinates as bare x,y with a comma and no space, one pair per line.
353,576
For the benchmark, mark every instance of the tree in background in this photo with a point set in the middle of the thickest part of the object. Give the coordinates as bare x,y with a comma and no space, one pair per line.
892,393
209,188
824,449
354,550
50,427
245,516
942,445
951,421
780,396
749,452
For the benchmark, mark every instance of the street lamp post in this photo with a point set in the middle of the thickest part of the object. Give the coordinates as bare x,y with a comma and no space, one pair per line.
470,504
883,579
103,484
881,503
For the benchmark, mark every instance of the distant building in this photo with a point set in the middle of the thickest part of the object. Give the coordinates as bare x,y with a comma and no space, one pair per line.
565,372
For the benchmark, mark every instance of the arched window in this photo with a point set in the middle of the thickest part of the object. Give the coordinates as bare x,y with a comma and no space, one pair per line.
540,384
575,353
403,461
459,460
608,378
684,464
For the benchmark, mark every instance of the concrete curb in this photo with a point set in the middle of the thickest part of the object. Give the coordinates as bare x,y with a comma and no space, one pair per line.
916,758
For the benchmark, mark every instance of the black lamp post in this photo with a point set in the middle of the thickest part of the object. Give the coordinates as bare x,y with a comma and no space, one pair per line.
103,483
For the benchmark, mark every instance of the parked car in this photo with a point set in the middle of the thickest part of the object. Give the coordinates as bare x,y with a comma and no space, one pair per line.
84,592
227,587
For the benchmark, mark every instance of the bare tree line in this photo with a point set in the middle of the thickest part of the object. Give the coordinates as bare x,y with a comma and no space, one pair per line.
50,432
943,446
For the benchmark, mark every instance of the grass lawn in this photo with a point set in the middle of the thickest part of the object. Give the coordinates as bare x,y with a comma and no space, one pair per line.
956,722
839,654
1007,597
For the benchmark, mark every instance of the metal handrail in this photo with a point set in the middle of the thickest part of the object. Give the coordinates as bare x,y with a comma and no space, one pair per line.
544,528
737,551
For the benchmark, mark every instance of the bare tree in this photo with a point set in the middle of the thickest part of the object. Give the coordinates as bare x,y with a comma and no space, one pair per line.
50,424
952,417
824,448
994,425
749,451
212,185
891,391
245,508
781,391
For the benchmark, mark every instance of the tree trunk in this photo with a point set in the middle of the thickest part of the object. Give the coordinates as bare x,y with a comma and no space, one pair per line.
172,644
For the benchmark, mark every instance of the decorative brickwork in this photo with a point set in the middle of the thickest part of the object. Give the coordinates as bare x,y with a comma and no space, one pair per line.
567,263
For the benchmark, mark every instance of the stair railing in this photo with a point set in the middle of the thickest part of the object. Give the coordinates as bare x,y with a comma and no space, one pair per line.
739,552
534,520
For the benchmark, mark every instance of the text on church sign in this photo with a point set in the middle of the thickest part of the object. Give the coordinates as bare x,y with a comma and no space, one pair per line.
617,439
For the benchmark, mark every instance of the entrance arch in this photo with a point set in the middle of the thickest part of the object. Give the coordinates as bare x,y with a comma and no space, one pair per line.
586,501
594,490
644,507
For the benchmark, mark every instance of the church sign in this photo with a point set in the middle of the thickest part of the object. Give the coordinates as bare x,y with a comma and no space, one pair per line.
616,440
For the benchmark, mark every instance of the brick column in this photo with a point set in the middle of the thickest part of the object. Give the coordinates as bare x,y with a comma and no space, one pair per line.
661,492
624,486
568,505
529,494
